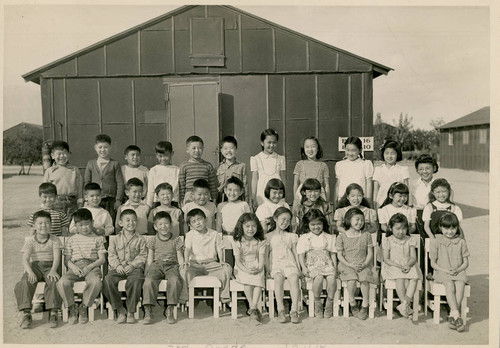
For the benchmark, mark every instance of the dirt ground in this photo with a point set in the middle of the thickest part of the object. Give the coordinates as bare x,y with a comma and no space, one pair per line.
471,192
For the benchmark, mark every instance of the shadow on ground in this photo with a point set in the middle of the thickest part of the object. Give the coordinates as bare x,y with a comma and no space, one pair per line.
471,212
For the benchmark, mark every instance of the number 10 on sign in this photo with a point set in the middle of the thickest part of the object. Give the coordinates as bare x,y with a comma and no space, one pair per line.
367,143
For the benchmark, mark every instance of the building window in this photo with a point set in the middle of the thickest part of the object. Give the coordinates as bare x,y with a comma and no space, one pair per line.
450,138
465,137
483,134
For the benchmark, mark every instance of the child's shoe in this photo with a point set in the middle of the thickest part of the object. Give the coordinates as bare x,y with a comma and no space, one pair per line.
122,316
452,324
26,320
131,318
253,314
282,316
53,319
73,314
318,308
329,308
354,309
402,310
259,315
363,313
409,308
83,313
38,308
170,315
294,317
148,314
460,324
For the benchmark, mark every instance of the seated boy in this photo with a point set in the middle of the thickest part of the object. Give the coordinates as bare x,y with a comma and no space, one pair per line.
84,254
165,253
66,177
134,189
44,250
164,171
230,167
102,222
134,168
165,194
201,200
126,257
59,221
204,253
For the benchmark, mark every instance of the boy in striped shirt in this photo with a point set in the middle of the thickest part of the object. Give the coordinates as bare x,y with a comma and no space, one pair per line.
84,254
195,168
59,221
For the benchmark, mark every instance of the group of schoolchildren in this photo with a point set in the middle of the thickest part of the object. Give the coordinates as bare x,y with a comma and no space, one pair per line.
187,210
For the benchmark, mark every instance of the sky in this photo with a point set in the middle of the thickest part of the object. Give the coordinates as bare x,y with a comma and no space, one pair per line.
440,55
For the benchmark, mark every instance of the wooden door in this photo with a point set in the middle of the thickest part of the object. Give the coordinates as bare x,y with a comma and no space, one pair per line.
193,109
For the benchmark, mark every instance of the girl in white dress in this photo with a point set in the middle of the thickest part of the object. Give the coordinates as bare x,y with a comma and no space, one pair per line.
266,165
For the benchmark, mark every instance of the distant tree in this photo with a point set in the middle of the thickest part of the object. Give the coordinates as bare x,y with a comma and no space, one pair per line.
23,148
403,131
382,132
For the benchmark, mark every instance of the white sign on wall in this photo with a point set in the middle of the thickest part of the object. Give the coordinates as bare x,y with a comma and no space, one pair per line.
367,143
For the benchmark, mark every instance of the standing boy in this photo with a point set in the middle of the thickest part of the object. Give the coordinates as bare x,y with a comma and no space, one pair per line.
164,171
165,253
107,173
67,178
134,189
59,221
126,257
133,168
195,168
201,200
44,250
165,194
230,167
84,254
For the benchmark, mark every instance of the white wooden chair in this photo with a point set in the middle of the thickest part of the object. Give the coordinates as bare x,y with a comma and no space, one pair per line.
438,291
286,287
204,282
390,286
373,287
336,298
121,288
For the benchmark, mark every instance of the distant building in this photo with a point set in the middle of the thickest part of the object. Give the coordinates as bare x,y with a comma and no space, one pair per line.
465,142
35,130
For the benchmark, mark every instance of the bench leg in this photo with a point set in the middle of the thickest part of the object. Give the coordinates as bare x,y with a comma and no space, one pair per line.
111,312
271,304
234,304
390,303
373,302
416,297
437,309
311,303
65,314
346,303
191,303
464,309
216,302
336,303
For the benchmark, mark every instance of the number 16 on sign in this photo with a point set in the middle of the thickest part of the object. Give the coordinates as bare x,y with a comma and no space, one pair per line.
366,141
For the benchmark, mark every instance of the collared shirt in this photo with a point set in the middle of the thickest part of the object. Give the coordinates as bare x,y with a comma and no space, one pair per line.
160,174
84,247
141,209
311,241
204,246
387,175
41,251
100,219
419,193
58,220
101,163
348,172
68,180
176,215
127,251
193,169
140,173
386,212
448,252
209,209
227,170
431,207
165,250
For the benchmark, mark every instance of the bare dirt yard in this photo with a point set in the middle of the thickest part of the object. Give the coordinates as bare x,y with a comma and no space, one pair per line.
471,192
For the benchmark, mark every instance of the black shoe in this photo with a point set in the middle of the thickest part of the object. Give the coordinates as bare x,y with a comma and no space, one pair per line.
26,320
83,313
53,319
452,324
460,324
73,314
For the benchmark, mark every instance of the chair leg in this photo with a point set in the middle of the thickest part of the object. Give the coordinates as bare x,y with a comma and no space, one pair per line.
91,310
65,314
426,304
216,302
437,309
101,303
336,303
234,304
381,296
191,303
416,297
137,310
311,303
346,303
271,304
464,310
175,311
111,312
390,303
373,302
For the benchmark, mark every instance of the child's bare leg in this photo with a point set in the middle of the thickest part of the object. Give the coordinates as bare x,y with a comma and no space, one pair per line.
257,292
249,294
449,286
293,279
317,286
459,292
365,291
351,289
331,286
279,279
401,289
410,288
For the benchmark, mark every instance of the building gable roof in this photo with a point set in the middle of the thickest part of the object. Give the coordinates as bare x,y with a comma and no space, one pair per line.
34,75
479,117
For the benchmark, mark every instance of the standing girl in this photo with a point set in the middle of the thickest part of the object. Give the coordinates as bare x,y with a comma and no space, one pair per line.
283,262
353,198
440,204
310,167
389,172
397,196
266,165
355,254
274,194
249,248
318,260
400,258
311,199
353,169
450,258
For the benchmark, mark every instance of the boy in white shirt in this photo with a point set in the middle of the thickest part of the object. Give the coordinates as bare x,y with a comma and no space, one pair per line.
133,168
164,171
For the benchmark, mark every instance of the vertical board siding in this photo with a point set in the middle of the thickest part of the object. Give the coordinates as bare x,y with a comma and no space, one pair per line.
156,52
59,109
471,156
92,63
291,52
182,48
230,17
116,100
122,56
149,100
147,137
257,50
321,58
121,137
232,53
46,91
66,69
81,143
83,104
356,105
182,19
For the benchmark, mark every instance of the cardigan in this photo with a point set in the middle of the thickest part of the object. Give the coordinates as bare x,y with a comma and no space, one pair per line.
110,180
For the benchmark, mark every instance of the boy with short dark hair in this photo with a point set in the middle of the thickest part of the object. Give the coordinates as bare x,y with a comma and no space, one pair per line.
134,189
59,221
126,257
84,254
165,253
164,171
66,177
107,173
201,200
230,167
165,194
133,168
195,168
204,250
44,250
